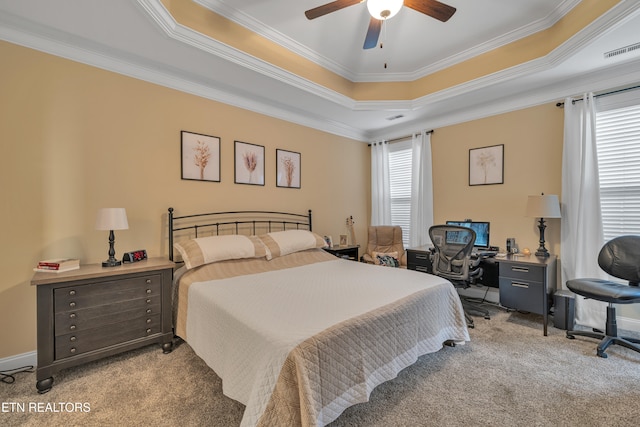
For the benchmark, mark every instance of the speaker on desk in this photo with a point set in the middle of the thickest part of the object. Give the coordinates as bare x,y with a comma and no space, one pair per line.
564,309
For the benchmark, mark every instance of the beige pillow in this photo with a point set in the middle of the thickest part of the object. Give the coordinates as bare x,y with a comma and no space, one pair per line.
389,259
281,243
205,250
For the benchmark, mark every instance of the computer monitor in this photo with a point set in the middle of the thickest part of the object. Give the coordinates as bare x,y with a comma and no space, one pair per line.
480,227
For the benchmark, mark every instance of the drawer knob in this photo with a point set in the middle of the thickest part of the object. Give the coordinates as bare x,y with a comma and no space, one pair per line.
73,338
72,327
72,292
149,330
148,281
72,304
148,291
148,320
72,316
72,350
148,301
148,310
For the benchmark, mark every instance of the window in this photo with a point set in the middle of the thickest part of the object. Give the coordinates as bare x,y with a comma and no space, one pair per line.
618,144
400,186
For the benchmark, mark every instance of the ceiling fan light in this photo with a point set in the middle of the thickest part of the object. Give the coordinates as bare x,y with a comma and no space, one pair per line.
384,9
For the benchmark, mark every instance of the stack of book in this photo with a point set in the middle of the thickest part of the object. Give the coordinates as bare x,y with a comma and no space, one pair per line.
57,265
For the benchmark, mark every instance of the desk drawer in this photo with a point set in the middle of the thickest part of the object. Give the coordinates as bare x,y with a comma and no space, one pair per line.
522,295
419,261
522,271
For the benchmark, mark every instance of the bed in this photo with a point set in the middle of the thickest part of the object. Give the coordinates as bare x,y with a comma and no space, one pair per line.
296,334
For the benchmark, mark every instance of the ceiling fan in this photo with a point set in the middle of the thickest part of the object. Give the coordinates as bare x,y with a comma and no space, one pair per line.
381,10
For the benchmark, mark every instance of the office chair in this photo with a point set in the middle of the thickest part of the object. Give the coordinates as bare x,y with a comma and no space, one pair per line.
452,260
620,258
385,239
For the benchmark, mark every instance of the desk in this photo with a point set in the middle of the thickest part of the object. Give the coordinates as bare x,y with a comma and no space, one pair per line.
420,259
526,283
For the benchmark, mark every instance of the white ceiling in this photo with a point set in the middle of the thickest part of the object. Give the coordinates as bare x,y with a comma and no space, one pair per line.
140,38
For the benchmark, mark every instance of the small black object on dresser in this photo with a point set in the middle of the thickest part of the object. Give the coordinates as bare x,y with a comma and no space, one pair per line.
94,312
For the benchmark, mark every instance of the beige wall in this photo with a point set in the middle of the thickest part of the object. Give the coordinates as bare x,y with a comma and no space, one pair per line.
76,138
532,141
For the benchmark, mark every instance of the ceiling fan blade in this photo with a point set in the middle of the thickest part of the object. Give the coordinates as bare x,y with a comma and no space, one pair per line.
330,7
373,33
433,8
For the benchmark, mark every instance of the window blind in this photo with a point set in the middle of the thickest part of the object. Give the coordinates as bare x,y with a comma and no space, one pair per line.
400,157
618,146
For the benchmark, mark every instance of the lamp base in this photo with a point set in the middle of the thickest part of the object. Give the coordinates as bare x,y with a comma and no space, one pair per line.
111,263
544,253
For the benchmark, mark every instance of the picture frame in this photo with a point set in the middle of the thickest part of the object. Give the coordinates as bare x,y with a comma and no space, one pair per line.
288,164
343,240
249,163
200,157
486,165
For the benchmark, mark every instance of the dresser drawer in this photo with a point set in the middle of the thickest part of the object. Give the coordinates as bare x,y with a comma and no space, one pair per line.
78,320
522,295
418,260
73,298
80,342
522,271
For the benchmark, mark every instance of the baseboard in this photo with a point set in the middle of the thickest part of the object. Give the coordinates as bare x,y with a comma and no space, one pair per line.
628,324
18,361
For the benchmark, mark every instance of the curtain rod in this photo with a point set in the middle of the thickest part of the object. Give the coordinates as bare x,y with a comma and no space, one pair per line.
561,104
402,138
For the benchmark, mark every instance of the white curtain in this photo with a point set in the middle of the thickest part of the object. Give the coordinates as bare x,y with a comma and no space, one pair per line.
421,216
380,189
582,236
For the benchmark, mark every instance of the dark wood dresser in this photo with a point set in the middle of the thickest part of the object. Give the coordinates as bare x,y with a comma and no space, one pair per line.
95,311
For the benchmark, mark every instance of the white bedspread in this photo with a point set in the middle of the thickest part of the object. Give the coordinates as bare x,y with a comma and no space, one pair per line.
244,327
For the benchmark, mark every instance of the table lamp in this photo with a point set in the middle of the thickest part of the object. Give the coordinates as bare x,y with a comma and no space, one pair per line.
543,207
112,219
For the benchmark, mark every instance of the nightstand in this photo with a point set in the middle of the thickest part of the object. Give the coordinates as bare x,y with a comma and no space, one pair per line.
527,284
94,312
347,252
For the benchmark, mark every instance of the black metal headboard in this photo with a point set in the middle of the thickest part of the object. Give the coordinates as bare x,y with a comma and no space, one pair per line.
237,222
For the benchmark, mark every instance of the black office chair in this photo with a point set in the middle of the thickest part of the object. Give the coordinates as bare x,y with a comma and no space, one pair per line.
452,260
620,258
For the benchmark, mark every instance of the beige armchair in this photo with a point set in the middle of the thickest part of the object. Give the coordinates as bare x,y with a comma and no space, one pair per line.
385,239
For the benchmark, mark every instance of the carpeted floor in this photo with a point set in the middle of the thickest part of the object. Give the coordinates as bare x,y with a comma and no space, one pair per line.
509,374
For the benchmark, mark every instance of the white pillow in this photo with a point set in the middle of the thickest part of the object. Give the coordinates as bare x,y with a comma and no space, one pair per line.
205,250
281,243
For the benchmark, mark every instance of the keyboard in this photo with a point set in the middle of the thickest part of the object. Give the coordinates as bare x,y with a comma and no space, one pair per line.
487,254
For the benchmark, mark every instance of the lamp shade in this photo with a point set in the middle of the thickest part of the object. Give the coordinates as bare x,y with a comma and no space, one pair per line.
543,206
384,9
112,219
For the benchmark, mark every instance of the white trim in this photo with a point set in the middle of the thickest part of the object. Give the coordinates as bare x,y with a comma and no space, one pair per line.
288,43
18,361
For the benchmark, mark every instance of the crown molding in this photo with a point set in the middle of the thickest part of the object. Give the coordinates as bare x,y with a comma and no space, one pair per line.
252,24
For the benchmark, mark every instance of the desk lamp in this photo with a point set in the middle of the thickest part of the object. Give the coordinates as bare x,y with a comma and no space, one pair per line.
112,219
543,207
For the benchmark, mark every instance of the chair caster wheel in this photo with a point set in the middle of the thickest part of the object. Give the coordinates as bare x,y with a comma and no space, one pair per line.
487,317
571,337
602,354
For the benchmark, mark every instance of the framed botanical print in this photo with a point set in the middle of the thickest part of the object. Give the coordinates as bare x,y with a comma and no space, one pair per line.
200,156
486,165
287,169
249,163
